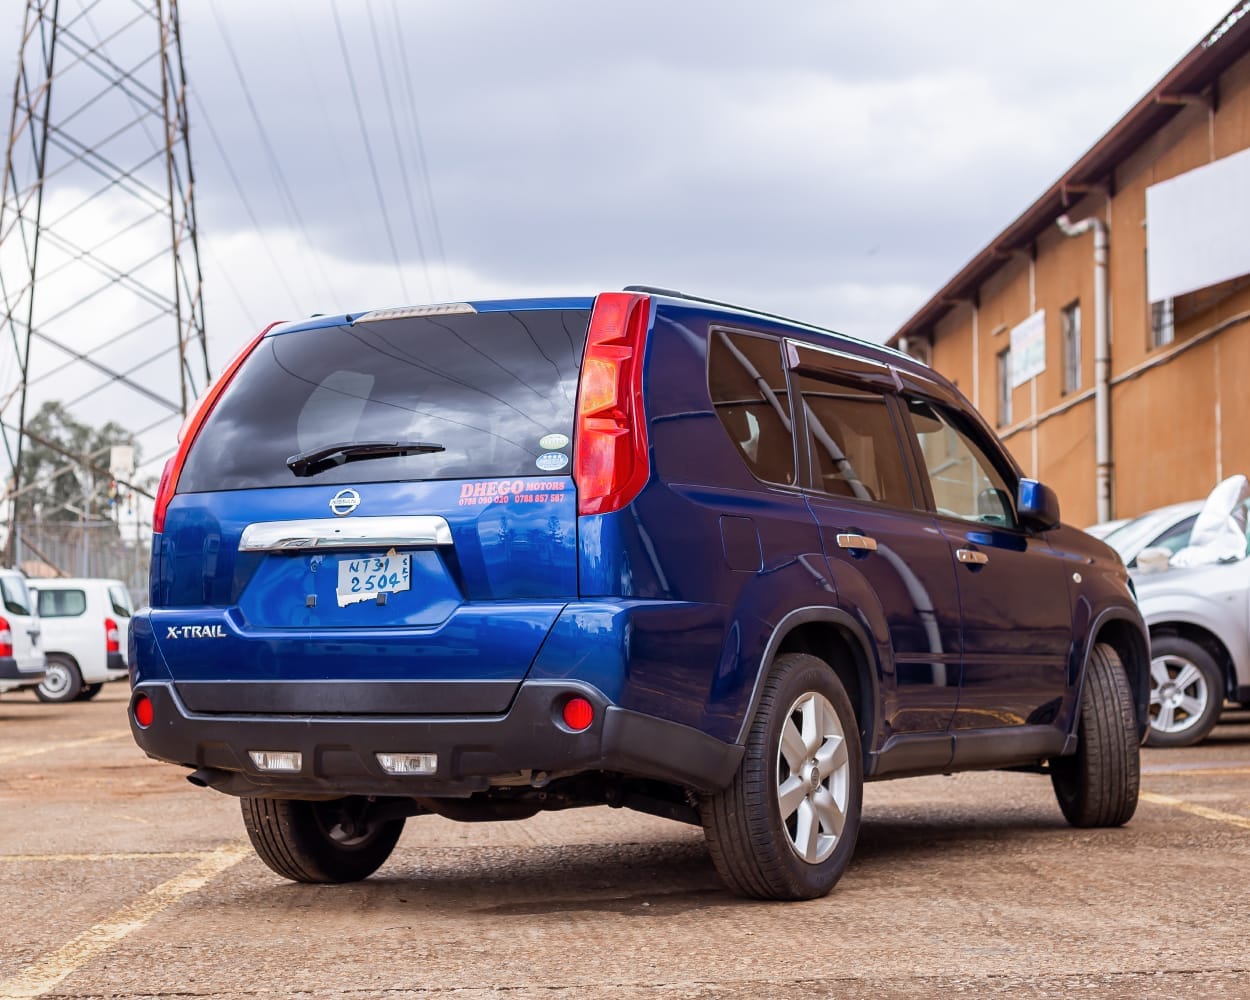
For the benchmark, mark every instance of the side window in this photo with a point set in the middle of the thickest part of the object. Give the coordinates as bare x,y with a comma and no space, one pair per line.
748,388
855,450
16,596
62,603
964,480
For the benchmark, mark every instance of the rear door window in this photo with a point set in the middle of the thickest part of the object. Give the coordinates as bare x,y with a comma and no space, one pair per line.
494,391
855,451
62,603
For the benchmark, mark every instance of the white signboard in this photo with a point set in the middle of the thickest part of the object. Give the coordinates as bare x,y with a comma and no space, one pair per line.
1196,227
1028,348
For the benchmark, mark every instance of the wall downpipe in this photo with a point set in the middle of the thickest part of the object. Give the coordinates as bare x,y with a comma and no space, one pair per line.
1102,359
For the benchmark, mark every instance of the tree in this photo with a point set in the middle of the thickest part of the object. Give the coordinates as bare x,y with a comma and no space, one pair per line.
57,481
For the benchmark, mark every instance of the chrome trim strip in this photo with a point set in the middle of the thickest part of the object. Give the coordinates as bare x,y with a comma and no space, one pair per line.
404,531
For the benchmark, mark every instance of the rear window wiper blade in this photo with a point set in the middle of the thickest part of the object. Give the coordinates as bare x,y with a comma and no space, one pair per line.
316,460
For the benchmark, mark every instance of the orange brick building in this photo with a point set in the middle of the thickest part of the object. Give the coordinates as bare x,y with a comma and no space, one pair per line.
1104,331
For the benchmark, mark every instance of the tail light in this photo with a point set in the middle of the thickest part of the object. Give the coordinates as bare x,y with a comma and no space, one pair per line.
6,638
112,636
191,427
610,462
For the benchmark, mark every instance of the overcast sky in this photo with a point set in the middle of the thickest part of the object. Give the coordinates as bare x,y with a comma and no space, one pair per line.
833,161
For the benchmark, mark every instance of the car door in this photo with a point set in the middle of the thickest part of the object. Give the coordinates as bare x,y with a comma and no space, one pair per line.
1013,592
891,567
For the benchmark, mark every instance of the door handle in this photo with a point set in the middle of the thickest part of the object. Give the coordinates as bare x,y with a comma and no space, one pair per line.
861,543
972,557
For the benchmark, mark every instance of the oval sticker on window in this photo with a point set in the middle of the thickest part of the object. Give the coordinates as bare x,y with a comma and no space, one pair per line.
551,461
553,442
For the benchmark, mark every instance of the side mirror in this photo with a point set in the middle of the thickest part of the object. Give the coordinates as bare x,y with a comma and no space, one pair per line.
1037,505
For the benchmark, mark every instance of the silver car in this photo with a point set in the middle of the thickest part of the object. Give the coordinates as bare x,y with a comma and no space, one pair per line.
1199,621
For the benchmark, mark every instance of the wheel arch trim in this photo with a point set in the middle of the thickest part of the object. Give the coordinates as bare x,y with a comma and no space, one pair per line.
825,615
1139,680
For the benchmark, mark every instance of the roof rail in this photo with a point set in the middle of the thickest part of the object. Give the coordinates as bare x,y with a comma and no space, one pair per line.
655,290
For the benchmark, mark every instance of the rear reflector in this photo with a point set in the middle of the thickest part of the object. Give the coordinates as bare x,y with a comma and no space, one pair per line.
578,714
288,761
610,461
409,763
143,711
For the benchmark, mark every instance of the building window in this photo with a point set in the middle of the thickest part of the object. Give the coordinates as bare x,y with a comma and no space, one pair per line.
1004,387
1162,323
1070,327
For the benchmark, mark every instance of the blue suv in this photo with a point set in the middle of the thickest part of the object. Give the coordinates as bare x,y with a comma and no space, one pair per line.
643,550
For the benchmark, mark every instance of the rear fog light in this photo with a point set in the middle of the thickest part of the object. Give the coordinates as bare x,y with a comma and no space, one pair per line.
287,761
408,763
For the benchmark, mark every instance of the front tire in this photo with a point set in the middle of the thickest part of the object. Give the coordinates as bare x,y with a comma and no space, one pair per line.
63,682
786,826
1186,692
319,842
1098,785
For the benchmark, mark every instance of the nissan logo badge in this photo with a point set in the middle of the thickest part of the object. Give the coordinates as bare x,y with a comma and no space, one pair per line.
344,502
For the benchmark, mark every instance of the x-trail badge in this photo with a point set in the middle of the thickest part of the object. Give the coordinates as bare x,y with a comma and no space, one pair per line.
344,502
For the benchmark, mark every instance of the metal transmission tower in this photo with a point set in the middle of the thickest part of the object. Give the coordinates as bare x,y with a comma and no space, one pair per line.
99,259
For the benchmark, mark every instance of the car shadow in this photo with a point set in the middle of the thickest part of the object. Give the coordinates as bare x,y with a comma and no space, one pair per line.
646,880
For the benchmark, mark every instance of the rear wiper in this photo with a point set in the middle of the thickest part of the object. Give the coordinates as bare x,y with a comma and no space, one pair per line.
315,460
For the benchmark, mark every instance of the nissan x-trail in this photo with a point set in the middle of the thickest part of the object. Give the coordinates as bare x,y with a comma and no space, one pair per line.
643,550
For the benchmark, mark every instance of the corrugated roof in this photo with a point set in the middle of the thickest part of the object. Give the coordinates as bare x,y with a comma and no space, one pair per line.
1189,78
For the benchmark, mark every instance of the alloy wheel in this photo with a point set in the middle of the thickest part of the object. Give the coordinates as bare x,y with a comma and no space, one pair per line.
813,777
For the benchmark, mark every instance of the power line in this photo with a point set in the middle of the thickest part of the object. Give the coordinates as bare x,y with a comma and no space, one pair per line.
275,165
364,135
423,169
399,149
247,205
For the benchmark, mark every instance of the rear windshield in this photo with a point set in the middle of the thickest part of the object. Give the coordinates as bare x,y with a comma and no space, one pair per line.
495,391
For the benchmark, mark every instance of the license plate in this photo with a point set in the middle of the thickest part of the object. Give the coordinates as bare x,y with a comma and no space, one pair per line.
363,578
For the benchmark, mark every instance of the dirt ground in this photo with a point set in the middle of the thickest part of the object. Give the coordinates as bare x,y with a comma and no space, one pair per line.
120,879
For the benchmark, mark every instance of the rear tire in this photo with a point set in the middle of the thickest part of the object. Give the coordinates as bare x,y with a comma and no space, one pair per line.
63,682
319,842
785,828
1186,692
89,691
1098,785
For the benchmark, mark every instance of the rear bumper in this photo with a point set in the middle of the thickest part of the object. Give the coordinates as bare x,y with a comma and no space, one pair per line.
13,678
339,751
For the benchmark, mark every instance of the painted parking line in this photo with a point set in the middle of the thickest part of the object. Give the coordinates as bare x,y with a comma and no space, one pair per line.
110,856
1196,810
45,974
9,755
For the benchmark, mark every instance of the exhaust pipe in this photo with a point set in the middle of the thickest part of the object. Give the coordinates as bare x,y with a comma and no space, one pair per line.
208,777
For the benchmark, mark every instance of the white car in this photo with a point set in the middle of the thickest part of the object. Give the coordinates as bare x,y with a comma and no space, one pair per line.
21,655
86,623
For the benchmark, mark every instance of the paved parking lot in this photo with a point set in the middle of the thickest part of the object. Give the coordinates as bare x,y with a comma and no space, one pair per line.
120,879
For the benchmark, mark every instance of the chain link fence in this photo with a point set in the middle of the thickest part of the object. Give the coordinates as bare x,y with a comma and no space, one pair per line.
85,548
